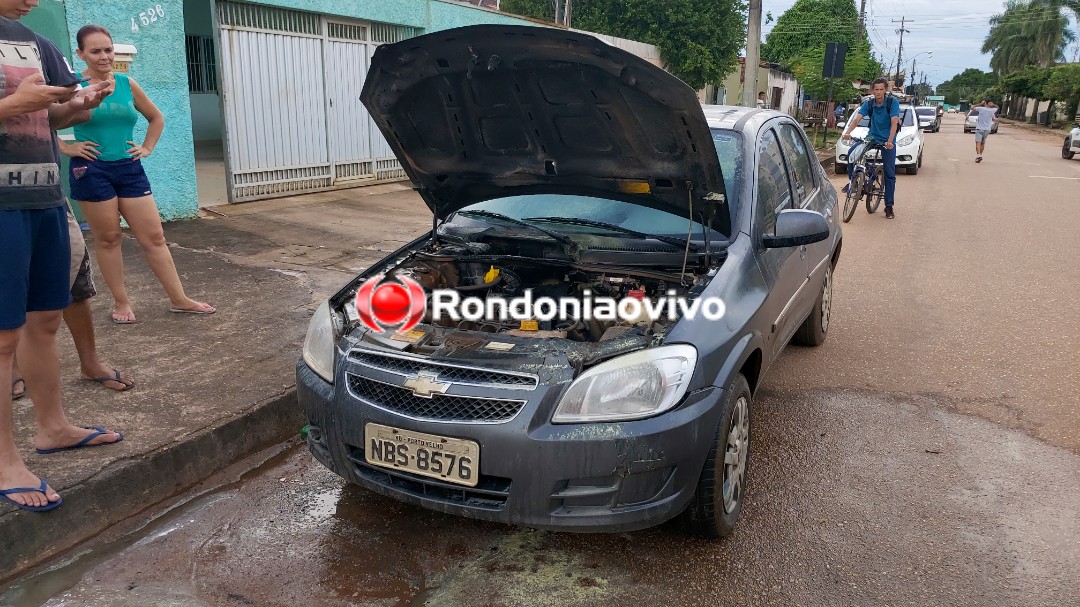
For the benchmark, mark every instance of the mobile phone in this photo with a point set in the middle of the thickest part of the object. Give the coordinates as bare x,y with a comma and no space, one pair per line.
83,80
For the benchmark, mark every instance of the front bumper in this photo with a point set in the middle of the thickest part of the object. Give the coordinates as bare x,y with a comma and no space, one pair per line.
567,477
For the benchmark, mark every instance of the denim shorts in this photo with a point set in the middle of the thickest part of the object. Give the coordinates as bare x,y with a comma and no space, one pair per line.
99,180
34,257
82,279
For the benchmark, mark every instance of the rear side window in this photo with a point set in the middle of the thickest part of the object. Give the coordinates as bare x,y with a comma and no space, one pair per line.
798,159
773,188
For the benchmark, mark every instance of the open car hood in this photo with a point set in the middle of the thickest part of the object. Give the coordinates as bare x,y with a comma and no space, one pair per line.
487,111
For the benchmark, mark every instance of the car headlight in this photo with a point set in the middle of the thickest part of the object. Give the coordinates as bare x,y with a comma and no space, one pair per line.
319,343
906,140
633,386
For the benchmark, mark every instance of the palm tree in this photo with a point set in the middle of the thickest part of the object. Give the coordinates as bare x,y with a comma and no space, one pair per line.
1029,33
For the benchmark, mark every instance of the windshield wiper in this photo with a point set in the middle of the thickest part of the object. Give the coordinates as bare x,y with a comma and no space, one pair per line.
577,221
518,222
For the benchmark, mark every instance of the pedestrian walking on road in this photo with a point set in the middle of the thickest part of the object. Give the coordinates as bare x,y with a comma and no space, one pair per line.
884,112
35,249
986,113
108,181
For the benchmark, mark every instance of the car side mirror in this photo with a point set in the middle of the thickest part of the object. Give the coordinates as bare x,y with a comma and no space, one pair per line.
797,227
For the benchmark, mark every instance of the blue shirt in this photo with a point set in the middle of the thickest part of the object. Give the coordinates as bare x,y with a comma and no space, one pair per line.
880,117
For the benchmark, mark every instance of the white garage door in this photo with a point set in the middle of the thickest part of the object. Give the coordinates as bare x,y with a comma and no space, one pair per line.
291,91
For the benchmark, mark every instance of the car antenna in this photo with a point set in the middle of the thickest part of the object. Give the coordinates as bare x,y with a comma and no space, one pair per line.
689,229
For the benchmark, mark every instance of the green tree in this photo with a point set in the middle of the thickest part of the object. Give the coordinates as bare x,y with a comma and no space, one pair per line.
1031,33
809,25
1064,83
699,40
965,85
857,64
1034,32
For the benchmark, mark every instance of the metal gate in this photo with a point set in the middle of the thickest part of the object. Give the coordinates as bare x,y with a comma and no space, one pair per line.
291,85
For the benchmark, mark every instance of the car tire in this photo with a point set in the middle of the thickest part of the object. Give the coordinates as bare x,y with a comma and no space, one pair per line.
1066,150
840,169
711,512
913,169
815,328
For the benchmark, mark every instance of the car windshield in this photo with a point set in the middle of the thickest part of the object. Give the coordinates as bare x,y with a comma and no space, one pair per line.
926,111
619,213
907,118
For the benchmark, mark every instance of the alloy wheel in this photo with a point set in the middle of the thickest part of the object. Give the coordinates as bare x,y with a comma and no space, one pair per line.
735,454
826,299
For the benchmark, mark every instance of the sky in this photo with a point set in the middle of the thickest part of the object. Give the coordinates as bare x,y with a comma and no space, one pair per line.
952,29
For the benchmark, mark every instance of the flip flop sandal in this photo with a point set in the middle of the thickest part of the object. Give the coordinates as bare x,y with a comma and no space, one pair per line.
17,394
115,377
186,311
4,493
97,431
123,321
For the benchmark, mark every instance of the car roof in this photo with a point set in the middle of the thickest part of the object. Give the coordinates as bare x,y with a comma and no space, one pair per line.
728,116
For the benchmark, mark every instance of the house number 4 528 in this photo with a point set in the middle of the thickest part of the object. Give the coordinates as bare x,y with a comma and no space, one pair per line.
147,17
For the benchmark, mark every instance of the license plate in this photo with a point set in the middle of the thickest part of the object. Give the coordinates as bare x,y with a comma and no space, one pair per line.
453,460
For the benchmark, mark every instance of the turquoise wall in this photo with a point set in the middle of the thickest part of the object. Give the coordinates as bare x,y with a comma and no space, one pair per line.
160,67
446,15
431,15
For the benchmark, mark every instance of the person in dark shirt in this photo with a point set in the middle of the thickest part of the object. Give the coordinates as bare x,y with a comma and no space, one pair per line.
77,316
34,252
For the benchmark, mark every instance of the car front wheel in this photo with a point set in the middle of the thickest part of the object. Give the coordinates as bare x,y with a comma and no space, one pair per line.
1066,150
717,503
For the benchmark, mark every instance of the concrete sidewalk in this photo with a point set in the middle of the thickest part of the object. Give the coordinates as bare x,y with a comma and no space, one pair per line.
211,389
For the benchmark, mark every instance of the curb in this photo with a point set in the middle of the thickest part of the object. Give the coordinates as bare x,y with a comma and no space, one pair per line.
126,487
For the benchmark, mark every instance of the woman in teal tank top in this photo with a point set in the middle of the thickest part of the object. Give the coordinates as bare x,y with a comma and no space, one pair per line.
108,180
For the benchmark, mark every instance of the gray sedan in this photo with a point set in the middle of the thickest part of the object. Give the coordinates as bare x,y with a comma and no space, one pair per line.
558,167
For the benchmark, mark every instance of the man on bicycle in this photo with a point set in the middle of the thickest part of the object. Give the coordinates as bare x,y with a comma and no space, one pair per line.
884,113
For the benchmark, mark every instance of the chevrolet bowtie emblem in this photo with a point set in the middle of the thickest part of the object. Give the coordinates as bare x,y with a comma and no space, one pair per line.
425,384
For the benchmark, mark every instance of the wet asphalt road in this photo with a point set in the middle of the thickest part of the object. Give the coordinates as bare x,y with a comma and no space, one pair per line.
927,454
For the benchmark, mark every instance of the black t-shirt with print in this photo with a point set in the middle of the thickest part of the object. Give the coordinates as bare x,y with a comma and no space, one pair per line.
29,170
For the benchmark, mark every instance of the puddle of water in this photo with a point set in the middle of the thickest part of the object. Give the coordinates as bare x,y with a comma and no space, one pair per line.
55,578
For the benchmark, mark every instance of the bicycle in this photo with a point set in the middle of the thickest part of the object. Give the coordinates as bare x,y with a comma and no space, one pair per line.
868,178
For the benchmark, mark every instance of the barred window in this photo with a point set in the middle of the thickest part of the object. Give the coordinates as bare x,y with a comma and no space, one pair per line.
201,64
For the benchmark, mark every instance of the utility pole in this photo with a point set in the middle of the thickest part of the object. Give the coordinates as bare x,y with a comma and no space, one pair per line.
860,25
900,51
753,54
562,12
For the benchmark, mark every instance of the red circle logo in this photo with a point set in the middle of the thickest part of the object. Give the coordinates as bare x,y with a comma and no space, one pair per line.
397,304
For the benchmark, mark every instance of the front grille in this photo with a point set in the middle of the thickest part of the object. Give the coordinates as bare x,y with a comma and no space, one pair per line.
445,372
440,407
490,492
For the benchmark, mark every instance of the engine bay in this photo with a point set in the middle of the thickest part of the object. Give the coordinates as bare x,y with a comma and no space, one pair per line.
488,277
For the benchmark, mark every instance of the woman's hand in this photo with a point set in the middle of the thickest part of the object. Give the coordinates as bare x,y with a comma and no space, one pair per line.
138,152
80,149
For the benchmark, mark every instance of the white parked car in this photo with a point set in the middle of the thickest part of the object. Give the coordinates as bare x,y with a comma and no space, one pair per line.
909,142
1072,143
